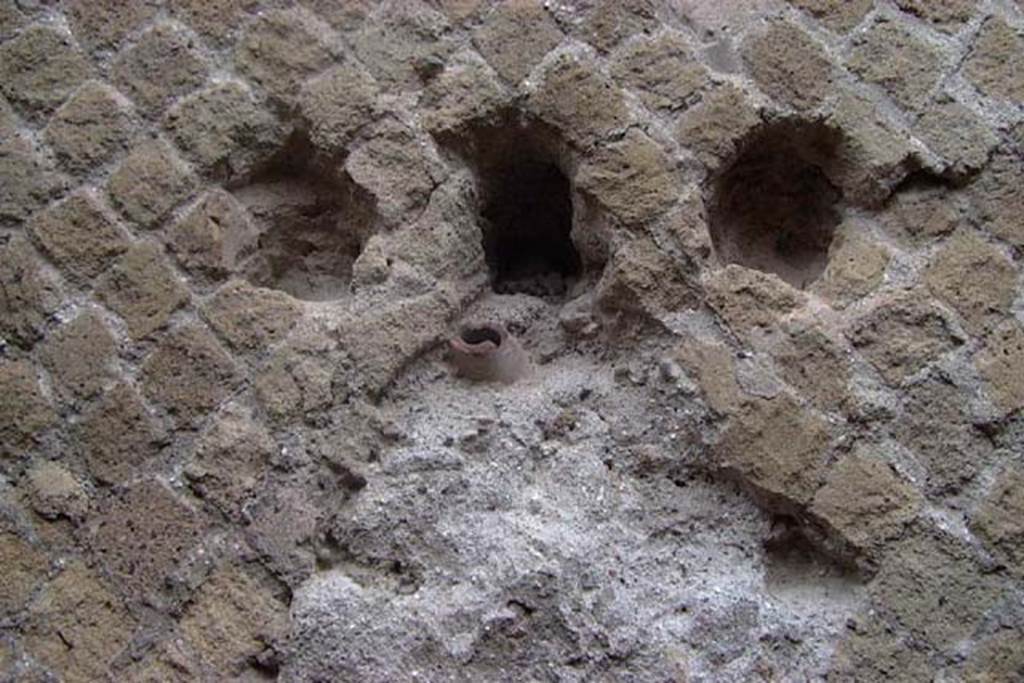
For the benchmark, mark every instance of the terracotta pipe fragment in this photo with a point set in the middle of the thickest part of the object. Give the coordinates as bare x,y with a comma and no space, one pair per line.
488,353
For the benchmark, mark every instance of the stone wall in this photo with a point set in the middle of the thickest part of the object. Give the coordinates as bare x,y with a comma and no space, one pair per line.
765,257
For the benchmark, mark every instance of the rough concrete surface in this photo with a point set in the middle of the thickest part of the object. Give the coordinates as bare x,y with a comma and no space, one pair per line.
760,262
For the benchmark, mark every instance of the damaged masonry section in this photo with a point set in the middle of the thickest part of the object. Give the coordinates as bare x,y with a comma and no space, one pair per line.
398,340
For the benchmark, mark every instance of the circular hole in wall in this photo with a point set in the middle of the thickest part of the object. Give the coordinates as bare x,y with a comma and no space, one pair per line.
313,222
774,208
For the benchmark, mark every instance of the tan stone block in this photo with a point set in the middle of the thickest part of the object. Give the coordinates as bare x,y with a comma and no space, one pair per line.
337,104
225,132
515,36
999,520
873,651
81,355
633,178
876,153
90,129
777,447
382,340
714,369
443,241
281,49
251,319
397,168
999,657
996,61
104,24
577,99
998,198
662,69
117,435
216,21
141,534
714,128
961,139
149,183
405,45
902,334
25,568
232,620
213,239
189,374
8,120
814,364
606,24
641,279
29,180
162,66
975,278
931,584
922,214
77,626
230,461
1001,363
856,265
11,19
346,16
838,15
888,54
948,15
935,424
24,411
80,236
293,384
789,65
143,290
466,91
461,11
39,68
55,492
284,529
28,294
864,502
749,300
172,661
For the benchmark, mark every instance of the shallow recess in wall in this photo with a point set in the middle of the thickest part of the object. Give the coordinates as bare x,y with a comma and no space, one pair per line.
796,569
532,223
313,222
774,208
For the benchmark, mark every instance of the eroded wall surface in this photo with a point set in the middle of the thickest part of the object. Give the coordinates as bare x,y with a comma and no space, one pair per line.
764,258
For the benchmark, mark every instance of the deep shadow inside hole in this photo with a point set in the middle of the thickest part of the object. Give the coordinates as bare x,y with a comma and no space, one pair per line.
313,223
527,226
774,209
479,335
525,206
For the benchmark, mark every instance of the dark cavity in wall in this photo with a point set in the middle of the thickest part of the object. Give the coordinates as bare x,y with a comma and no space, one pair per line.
528,215
774,208
313,222
527,225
